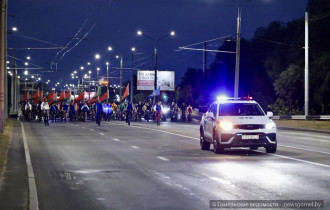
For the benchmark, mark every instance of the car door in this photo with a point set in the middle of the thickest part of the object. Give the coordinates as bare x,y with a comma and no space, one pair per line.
209,120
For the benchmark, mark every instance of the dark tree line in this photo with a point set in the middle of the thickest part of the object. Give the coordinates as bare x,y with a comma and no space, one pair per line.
271,67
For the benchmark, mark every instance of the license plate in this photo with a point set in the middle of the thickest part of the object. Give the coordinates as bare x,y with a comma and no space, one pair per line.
247,137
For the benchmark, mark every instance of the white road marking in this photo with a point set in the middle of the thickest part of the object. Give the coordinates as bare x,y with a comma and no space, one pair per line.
76,125
286,157
306,134
305,149
102,134
33,195
221,181
162,158
299,160
135,147
83,127
91,129
100,199
116,139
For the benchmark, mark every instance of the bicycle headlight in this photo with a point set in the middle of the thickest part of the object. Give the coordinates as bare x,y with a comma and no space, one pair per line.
226,125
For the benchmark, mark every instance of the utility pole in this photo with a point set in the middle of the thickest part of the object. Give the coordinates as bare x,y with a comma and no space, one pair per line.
121,77
3,63
306,68
131,91
204,58
238,43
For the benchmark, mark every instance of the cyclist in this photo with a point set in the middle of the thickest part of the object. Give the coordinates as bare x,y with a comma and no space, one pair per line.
99,112
45,110
129,110
72,111
189,110
84,110
109,111
183,111
65,109
158,112
28,110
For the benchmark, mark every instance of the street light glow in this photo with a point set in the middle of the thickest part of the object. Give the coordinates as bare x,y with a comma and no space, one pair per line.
107,63
89,72
117,56
26,72
88,63
139,33
82,68
172,33
75,72
98,68
109,48
97,56
14,28
133,49
26,63
28,58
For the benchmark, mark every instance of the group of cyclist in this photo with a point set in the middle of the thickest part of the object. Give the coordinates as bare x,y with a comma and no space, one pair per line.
69,111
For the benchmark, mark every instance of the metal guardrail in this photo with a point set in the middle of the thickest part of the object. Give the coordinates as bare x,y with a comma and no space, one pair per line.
302,117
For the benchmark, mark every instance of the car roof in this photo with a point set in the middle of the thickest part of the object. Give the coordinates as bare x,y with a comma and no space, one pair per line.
235,102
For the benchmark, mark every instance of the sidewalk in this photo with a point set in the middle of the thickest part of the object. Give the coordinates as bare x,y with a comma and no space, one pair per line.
14,191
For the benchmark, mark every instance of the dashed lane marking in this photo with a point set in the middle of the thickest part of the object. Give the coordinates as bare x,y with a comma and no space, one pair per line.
116,139
102,134
135,147
162,158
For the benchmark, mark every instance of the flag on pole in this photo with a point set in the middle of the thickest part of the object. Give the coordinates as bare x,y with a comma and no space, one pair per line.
104,97
80,97
25,97
126,93
35,95
61,96
67,95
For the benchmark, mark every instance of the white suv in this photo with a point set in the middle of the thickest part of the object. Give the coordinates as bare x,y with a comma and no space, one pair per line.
237,122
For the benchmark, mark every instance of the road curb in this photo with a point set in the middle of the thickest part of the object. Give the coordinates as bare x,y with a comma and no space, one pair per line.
33,196
303,129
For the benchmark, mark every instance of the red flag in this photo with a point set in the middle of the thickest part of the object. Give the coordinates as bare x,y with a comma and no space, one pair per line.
35,95
39,98
67,95
80,97
93,100
126,93
51,96
25,97
104,97
61,96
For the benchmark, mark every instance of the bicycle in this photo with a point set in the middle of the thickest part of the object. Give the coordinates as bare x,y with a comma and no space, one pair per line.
158,117
98,118
46,120
128,117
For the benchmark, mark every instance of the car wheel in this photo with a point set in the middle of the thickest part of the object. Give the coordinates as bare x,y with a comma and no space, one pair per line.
272,148
217,147
205,145
253,148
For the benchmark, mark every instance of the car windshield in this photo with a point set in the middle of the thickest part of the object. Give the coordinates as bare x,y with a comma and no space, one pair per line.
240,109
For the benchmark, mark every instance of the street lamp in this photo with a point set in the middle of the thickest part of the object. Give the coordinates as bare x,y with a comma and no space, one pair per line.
97,56
107,64
121,75
132,62
172,33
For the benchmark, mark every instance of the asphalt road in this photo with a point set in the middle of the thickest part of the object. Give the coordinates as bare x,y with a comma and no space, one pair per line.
144,166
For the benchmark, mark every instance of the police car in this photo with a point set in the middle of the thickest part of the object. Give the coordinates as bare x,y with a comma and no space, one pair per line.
237,122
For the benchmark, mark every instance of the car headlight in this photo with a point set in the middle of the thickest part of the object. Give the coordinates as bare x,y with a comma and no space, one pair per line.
226,125
270,125
165,110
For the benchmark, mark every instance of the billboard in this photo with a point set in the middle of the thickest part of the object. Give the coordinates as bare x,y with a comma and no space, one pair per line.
165,80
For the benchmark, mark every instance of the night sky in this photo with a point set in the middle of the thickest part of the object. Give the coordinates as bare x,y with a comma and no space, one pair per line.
115,23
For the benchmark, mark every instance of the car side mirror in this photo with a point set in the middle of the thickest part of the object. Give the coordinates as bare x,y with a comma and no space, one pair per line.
270,114
210,115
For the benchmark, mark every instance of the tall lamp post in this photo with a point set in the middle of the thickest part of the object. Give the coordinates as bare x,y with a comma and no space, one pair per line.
107,63
132,62
172,33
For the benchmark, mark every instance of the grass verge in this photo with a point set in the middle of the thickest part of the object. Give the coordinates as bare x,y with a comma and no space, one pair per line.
4,142
311,124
